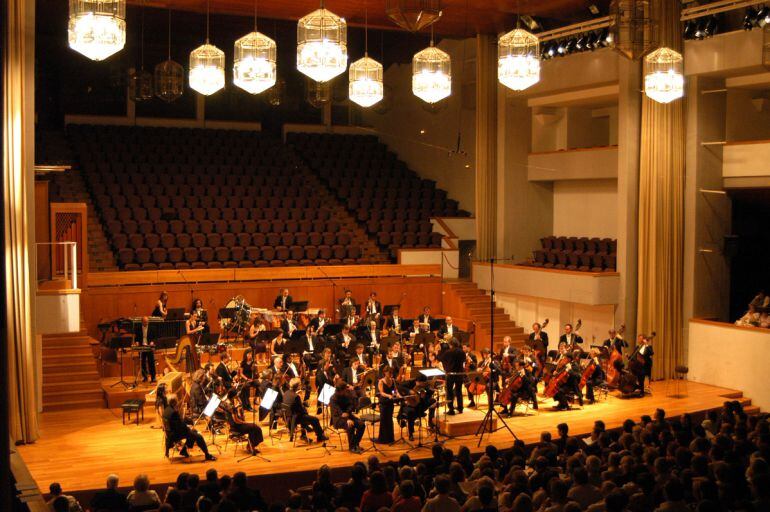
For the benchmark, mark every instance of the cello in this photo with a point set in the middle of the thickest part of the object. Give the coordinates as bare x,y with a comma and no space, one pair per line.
557,380
613,375
514,384
538,347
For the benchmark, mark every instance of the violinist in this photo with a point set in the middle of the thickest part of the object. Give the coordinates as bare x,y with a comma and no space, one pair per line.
593,374
299,415
343,406
223,372
387,394
448,330
289,368
363,359
433,361
198,398
247,375
237,422
615,342
394,322
352,376
311,348
569,384
345,344
415,329
288,324
324,375
570,338
283,301
471,365
203,319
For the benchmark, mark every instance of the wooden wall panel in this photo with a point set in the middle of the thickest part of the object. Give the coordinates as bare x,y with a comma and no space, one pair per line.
109,302
42,230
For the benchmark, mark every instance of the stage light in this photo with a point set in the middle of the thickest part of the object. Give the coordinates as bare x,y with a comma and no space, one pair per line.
322,45
592,41
518,59
711,27
97,28
431,74
606,39
763,17
570,48
551,52
749,19
699,30
664,75
689,29
561,48
580,44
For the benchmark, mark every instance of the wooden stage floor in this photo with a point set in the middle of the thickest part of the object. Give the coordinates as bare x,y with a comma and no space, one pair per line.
79,448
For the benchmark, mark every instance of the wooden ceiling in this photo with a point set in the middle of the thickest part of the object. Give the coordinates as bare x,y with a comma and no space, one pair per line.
459,18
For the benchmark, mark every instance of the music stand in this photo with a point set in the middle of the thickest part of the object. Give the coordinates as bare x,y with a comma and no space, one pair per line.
325,395
332,329
299,306
175,314
437,323
208,413
121,343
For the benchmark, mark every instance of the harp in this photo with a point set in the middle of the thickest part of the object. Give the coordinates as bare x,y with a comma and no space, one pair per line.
185,359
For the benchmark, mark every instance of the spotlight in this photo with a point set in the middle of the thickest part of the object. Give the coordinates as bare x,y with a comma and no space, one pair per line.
580,44
700,30
763,17
591,41
571,45
748,19
605,39
561,49
552,50
689,29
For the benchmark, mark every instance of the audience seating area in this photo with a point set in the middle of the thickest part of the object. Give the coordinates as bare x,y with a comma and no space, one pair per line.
573,253
684,464
192,198
389,200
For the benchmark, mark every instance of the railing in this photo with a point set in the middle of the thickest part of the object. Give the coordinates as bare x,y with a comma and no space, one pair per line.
69,223
68,252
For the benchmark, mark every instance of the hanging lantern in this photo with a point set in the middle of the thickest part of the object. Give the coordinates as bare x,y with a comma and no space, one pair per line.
318,94
365,77
518,59
169,81
97,28
413,15
633,27
275,93
322,45
140,86
254,68
431,74
664,75
207,69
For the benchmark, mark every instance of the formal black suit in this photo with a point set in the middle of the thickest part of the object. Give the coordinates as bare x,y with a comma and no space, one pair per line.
285,327
224,374
454,362
109,500
177,430
299,416
366,339
444,330
343,407
616,343
315,323
425,319
376,312
281,303
144,338
390,323
574,339
394,362
543,338
646,354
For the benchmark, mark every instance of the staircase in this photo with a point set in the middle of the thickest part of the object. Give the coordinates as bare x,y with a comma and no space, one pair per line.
69,187
70,376
463,299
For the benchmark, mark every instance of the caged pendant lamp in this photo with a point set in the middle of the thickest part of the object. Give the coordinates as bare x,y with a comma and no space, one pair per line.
322,45
365,85
207,65
254,68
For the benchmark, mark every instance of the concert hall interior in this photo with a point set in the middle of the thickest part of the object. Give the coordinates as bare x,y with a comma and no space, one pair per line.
411,255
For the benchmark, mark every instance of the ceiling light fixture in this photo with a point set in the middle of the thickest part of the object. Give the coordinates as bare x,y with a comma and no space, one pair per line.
431,73
322,45
664,75
365,76
518,59
207,65
97,28
254,68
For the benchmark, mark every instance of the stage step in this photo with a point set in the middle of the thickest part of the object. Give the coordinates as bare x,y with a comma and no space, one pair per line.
70,372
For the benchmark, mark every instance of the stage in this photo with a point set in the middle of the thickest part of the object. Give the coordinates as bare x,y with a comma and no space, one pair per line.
79,448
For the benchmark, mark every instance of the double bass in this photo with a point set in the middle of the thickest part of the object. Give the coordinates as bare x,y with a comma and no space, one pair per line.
538,348
636,360
613,375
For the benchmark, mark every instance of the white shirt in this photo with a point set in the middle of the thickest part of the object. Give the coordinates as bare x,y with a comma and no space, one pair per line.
145,330
310,343
450,329
293,369
292,327
643,349
361,359
283,302
396,322
354,373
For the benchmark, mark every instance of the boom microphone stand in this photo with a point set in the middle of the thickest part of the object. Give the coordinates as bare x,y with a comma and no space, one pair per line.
489,417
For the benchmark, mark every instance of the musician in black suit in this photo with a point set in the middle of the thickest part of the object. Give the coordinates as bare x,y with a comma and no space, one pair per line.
448,330
298,412
646,352
392,359
471,365
373,308
571,339
571,385
425,317
319,323
371,338
311,348
360,355
343,407
347,305
283,301
615,342
288,324
395,322
144,336
198,398
454,363
177,430
352,376
538,337
346,343
223,372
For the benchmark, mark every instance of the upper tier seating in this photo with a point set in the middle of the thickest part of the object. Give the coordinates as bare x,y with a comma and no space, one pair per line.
573,253
194,198
392,202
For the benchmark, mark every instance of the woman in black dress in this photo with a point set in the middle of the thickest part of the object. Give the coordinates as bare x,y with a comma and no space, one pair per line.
160,306
259,347
237,423
387,393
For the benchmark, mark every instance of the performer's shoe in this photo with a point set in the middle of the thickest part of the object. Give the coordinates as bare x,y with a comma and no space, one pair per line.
210,457
411,437
357,450
472,404
451,412
184,453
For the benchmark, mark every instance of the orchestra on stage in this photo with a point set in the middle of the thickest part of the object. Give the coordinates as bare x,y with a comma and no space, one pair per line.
359,365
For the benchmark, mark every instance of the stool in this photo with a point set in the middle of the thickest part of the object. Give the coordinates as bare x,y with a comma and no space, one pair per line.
133,406
680,376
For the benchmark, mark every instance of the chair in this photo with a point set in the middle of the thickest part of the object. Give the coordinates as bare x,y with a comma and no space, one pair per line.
679,380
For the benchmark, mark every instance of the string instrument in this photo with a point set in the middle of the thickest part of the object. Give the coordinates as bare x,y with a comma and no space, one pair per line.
636,359
401,377
588,372
514,384
539,349
479,384
547,377
576,330
557,380
613,375
185,359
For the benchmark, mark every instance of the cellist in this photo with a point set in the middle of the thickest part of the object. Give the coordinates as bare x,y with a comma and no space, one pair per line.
522,385
593,375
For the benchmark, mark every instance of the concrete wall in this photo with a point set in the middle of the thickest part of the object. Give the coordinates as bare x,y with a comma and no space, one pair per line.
744,121
742,369
578,164
585,208
426,139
